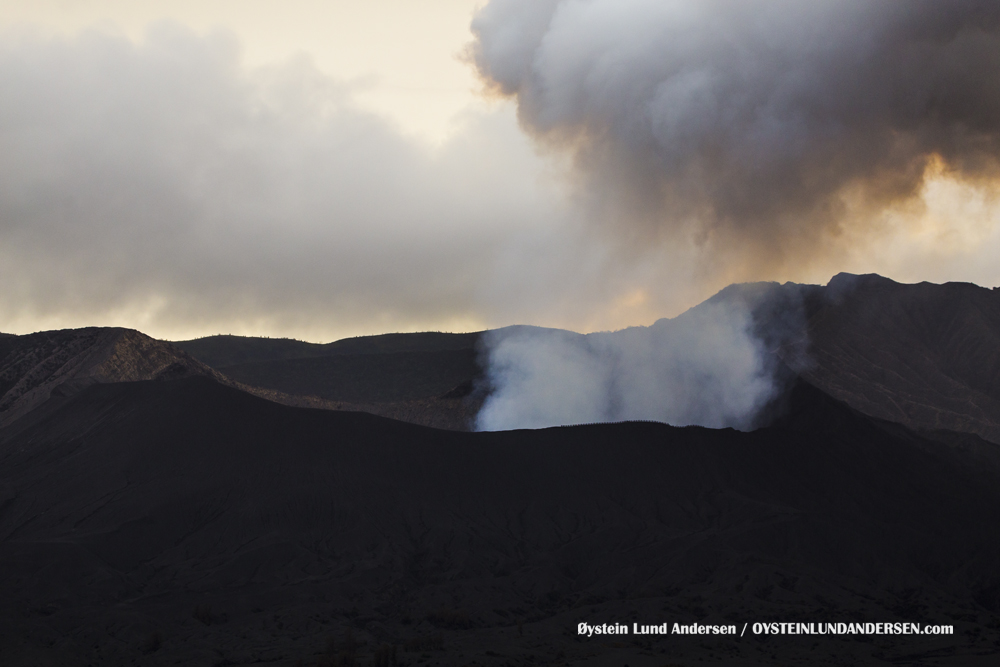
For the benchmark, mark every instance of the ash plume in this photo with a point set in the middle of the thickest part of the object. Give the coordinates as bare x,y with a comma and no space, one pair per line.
765,125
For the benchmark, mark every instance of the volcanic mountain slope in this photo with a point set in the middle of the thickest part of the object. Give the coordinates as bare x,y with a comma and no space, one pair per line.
923,355
423,378
36,366
363,378
223,351
185,522
32,367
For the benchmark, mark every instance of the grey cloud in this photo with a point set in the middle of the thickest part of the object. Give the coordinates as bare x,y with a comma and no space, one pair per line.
164,179
761,123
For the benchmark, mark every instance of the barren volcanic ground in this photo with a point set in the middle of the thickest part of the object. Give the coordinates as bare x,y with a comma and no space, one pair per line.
422,378
154,511
186,522
923,355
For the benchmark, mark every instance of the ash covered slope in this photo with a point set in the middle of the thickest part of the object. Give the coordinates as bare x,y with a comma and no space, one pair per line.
128,507
422,378
227,350
923,355
33,366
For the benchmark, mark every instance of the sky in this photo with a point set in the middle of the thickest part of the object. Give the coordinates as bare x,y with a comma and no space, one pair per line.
320,170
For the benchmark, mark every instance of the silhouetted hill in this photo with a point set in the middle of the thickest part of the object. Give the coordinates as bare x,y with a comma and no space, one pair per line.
228,350
372,377
35,365
923,355
423,378
187,522
220,351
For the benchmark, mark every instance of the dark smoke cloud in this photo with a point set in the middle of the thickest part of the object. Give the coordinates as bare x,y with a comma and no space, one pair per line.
764,124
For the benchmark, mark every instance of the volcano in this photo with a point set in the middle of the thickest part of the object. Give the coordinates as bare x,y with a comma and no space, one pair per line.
168,516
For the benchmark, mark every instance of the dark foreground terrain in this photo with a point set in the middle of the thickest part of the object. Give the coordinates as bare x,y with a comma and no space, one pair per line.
181,521
156,510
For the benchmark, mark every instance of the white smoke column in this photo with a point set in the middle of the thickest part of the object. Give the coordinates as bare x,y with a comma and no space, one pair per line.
762,125
704,368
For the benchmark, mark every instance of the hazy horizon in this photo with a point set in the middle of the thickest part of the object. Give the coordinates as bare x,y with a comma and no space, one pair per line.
442,331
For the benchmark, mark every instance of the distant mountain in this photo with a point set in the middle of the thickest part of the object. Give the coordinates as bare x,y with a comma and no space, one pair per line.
186,522
422,386
363,378
423,378
226,350
923,355
34,366
223,351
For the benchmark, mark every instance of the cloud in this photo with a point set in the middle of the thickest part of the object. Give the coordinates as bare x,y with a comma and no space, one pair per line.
162,184
762,129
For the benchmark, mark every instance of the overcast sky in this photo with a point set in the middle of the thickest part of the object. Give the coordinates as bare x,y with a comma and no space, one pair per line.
321,169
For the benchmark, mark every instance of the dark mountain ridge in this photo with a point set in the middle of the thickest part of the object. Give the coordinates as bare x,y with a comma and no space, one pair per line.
923,355
371,377
33,366
423,378
225,350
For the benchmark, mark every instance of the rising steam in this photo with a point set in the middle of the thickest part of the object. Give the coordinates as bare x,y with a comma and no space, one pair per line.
760,124
756,130
712,366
